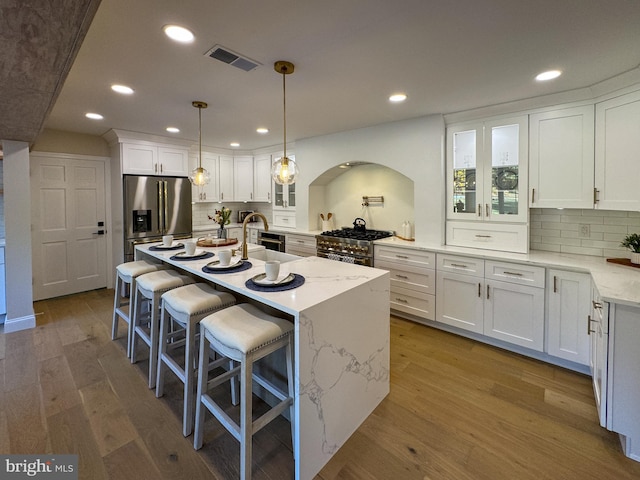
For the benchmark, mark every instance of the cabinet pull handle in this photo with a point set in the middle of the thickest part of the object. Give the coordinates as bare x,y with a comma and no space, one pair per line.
597,305
269,196
459,265
479,210
589,320
479,290
555,284
487,292
402,276
515,274
160,168
483,236
155,168
404,257
401,300
251,195
533,195
221,195
486,209
595,195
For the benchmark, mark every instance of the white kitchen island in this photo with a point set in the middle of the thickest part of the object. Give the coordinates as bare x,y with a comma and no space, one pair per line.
341,360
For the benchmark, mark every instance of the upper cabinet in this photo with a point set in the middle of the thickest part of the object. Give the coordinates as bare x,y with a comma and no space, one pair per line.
487,184
262,178
243,179
617,145
151,159
561,158
208,192
487,170
226,178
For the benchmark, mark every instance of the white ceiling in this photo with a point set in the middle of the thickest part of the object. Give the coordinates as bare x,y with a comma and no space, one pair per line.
350,55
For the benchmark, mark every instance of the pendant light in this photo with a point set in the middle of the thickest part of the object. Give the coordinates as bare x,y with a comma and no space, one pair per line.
199,176
284,170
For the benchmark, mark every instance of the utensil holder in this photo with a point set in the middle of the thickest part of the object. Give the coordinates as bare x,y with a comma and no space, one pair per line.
327,225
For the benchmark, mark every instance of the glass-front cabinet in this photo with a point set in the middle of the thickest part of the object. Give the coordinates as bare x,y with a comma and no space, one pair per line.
487,169
284,196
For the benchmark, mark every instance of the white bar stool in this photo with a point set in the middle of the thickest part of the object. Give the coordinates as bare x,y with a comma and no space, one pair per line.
151,286
126,274
186,306
245,334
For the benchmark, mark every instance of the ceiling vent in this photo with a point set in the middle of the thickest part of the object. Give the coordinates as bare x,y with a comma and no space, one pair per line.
225,55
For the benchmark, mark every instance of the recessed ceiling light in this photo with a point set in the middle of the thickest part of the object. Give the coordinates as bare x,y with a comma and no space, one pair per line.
179,34
93,116
549,75
234,144
398,97
262,130
173,130
122,89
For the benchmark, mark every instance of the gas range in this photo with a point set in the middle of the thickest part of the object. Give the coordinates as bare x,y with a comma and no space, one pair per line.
351,245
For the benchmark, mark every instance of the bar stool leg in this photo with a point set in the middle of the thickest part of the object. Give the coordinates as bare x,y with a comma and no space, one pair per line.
162,349
116,305
189,398
133,318
203,374
246,427
154,334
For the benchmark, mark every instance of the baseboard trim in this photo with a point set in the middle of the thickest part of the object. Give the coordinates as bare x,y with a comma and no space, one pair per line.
20,323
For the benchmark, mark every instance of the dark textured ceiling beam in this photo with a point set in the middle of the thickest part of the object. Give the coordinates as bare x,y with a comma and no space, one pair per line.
40,41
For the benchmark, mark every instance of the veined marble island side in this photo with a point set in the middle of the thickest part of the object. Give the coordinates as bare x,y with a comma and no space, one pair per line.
342,347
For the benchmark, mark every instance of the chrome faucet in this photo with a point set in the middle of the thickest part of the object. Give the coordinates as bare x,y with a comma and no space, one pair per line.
245,253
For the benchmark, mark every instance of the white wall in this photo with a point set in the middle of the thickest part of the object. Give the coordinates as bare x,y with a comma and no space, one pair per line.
343,197
17,194
415,148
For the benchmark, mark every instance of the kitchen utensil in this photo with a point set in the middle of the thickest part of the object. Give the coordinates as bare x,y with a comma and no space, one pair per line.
329,215
322,216
360,225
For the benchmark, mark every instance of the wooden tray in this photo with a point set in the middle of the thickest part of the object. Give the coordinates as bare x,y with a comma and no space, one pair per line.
623,261
216,242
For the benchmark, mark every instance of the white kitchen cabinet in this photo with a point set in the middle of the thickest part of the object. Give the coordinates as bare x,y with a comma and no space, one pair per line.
569,302
284,219
243,179
598,360
3,300
225,170
497,299
301,245
208,192
487,174
561,158
151,159
617,144
413,279
262,178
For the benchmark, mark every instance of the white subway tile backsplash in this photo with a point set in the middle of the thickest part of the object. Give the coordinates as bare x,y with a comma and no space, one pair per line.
559,231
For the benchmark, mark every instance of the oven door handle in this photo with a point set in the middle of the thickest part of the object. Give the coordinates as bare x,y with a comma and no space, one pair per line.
269,240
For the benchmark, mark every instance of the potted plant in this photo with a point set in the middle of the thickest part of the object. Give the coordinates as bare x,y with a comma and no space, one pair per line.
632,242
222,218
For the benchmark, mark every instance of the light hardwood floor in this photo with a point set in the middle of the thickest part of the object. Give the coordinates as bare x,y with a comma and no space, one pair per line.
457,410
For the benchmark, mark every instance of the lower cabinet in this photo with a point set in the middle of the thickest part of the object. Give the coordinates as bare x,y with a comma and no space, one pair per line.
599,333
412,278
497,299
3,302
569,305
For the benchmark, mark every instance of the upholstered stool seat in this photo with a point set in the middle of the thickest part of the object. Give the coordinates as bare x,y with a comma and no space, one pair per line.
126,274
151,286
186,306
244,334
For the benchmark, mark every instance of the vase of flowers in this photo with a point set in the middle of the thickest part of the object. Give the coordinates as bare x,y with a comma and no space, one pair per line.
222,217
632,242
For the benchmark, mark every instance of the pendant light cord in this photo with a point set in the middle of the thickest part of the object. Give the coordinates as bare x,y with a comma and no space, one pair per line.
200,136
284,108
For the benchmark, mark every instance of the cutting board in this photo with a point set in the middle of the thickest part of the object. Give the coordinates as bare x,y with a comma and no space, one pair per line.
623,261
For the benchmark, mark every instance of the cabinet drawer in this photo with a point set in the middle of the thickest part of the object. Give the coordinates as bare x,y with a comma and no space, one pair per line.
284,219
418,279
510,238
301,240
418,304
465,265
514,273
404,256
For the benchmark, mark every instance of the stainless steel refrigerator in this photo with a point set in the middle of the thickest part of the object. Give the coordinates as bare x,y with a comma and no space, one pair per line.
153,207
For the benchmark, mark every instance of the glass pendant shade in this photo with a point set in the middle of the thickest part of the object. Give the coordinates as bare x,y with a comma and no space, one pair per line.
199,176
284,171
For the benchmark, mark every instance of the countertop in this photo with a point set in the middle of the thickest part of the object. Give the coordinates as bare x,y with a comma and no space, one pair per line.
615,283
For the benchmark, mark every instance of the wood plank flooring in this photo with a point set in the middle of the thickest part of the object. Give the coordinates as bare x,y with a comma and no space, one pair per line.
457,409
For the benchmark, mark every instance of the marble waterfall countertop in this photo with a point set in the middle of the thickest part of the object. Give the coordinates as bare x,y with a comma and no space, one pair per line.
341,350
615,283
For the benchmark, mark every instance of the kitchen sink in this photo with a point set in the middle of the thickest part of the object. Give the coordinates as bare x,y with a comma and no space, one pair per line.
266,255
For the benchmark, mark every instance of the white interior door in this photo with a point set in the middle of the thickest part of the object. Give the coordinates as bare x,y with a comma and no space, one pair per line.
67,205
